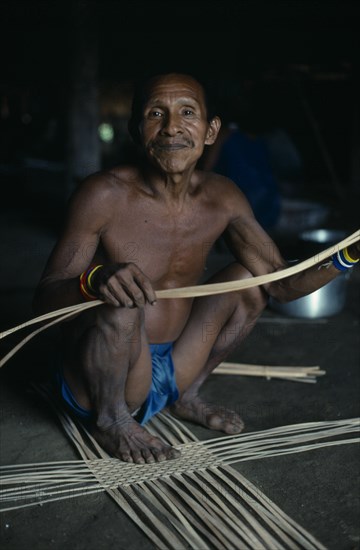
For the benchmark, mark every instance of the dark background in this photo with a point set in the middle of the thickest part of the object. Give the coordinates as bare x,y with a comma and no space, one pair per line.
298,60
68,67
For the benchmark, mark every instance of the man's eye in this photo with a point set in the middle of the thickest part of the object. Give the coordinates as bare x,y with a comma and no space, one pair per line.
155,114
188,112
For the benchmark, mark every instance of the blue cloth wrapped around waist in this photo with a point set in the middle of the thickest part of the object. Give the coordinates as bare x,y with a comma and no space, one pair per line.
163,391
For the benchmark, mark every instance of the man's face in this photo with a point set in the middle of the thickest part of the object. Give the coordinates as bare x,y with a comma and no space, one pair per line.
174,129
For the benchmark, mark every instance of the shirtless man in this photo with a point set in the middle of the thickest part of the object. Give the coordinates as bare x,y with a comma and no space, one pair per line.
149,228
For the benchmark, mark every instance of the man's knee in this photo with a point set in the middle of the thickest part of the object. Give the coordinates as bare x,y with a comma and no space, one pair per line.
122,325
254,299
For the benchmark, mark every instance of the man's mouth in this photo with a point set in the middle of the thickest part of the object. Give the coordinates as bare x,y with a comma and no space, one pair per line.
170,146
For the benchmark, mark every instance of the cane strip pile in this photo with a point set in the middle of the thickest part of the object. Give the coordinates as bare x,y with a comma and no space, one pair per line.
198,500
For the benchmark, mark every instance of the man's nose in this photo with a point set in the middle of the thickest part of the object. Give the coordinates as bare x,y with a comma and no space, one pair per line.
171,125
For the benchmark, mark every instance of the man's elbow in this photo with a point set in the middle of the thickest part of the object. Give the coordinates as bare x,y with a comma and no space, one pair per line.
283,293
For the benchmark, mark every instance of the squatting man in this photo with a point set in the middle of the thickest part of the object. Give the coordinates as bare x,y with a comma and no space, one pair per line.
131,357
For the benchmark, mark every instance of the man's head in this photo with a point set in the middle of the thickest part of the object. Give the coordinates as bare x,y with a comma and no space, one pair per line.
172,118
141,94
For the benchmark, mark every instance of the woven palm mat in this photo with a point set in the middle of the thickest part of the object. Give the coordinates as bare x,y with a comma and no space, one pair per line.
197,501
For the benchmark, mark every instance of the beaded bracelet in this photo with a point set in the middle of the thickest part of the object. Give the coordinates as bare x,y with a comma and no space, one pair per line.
90,275
342,260
86,288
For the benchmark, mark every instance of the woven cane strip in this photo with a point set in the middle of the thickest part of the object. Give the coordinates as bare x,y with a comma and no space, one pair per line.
150,501
162,425
239,530
260,532
224,488
183,505
70,427
180,433
49,480
44,496
158,429
237,513
202,511
29,484
254,512
186,292
283,440
123,496
40,498
132,510
111,472
253,495
145,506
169,509
172,511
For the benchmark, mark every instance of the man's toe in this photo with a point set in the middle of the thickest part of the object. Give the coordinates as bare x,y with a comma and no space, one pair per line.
235,426
215,422
126,456
174,453
138,457
148,456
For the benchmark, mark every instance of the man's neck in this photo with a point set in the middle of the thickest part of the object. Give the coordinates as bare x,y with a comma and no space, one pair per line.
172,187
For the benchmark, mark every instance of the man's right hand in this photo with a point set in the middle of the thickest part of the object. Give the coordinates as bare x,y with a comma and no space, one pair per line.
123,285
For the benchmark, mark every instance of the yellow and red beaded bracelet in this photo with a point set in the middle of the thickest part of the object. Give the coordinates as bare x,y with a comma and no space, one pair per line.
86,288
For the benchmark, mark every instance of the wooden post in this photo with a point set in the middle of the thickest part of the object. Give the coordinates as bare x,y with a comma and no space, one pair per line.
83,143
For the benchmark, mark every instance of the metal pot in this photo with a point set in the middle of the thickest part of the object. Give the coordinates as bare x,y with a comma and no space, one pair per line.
328,300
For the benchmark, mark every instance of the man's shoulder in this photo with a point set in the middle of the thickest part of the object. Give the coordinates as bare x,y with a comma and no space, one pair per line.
216,183
227,196
107,183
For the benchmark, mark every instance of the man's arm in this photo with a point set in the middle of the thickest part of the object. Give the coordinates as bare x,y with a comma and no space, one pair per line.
74,251
90,210
255,249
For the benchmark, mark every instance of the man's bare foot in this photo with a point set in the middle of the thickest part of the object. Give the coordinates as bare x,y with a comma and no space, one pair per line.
130,442
209,415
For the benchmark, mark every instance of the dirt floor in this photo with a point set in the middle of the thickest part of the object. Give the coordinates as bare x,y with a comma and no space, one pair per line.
319,488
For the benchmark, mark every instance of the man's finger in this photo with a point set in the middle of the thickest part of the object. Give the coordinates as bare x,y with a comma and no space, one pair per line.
148,290
120,285
145,285
116,296
139,286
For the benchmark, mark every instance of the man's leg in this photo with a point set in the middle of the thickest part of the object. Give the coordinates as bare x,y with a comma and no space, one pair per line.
109,371
217,325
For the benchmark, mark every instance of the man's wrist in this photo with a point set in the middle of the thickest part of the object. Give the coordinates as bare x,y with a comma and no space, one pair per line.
87,283
92,280
354,252
344,259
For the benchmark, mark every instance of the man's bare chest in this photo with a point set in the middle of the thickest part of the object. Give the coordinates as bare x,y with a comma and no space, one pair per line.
165,244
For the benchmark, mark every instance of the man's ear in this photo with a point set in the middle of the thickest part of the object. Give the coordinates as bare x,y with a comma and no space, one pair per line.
213,130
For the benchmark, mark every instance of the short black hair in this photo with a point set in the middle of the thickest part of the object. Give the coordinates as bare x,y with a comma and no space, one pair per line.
140,96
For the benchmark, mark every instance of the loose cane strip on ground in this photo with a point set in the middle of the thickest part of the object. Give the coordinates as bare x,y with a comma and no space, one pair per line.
197,500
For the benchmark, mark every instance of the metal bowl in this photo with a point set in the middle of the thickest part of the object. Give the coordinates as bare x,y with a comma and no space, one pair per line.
328,300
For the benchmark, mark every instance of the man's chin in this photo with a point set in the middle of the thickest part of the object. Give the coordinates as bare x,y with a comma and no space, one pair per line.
172,164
